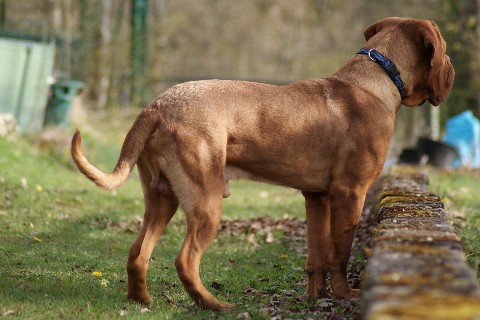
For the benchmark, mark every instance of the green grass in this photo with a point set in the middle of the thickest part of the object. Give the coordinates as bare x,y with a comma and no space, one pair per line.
459,191
57,228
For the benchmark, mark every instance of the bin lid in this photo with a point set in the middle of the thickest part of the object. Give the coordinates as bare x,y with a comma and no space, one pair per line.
463,118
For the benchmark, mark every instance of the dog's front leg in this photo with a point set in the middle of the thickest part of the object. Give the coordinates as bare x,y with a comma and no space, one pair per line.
317,206
346,207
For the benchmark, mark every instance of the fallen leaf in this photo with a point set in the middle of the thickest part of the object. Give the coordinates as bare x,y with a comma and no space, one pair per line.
269,238
263,194
367,251
289,292
244,315
104,283
256,225
251,240
24,183
217,286
325,303
250,291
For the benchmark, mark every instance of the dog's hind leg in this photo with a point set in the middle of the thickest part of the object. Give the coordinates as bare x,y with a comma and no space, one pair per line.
159,209
203,218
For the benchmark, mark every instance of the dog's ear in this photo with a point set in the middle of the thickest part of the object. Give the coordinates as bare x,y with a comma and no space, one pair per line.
433,41
440,78
378,26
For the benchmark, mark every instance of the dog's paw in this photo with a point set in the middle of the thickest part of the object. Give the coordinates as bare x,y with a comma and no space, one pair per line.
350,294
142,299
312,296
217,305
225,306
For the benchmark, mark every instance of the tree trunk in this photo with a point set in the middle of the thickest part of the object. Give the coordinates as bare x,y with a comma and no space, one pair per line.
104,55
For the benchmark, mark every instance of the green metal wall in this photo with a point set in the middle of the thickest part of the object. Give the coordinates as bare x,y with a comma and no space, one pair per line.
25,67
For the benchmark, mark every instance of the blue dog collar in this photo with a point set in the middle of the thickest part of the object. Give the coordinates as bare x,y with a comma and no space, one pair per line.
388,65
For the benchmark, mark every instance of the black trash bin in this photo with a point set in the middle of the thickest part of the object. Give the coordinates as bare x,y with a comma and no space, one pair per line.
60,103
439,154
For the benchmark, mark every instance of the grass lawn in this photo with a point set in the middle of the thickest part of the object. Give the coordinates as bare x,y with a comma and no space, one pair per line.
459,191
64,244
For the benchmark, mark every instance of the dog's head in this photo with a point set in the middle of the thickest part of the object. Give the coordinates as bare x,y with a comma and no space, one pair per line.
437,76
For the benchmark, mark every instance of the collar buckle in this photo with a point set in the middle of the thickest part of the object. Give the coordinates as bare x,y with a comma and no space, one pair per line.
370,55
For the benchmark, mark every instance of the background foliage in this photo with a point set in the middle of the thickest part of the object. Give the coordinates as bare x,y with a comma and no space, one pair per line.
266,40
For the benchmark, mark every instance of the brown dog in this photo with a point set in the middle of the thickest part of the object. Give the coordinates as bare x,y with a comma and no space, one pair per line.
326,137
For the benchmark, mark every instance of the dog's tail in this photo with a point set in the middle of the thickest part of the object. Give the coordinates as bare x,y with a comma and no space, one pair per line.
132,147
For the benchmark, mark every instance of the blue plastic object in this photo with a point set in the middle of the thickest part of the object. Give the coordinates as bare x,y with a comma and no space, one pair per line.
463,132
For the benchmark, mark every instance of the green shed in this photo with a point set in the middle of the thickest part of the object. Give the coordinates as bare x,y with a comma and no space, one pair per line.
26,69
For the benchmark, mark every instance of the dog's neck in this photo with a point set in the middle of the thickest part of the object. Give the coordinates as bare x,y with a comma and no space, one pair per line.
388,65
372,78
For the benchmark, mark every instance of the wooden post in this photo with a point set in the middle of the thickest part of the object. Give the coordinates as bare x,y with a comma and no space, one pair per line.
3,13
139,52
104,56
434,123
